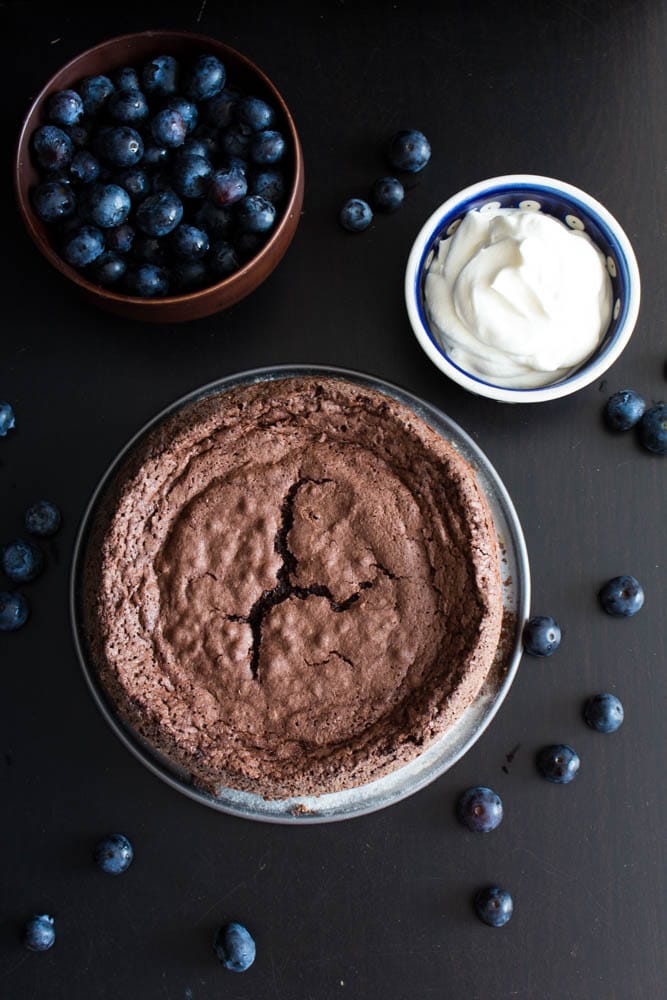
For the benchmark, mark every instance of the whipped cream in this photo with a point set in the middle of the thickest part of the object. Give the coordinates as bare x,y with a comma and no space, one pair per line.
517,298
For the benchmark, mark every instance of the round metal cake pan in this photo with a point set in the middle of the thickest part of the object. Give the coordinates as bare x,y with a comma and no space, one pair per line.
443,752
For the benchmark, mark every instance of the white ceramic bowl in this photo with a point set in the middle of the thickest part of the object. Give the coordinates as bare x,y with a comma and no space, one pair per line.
577,210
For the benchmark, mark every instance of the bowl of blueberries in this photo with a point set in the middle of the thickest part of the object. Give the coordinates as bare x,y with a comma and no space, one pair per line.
161,172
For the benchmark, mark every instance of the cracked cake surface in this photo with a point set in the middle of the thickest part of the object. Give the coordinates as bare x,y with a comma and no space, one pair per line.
292,587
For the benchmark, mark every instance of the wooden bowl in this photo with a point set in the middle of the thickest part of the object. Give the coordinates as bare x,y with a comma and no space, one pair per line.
242,74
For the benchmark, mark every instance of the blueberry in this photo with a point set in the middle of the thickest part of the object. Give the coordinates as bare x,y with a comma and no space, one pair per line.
95,92
52,148
42,519
480,809
84,168
108,205
53,201
168,128
255,112
222,259
135,181
114,854
267,147
7,418
79,135
83,246
205,79
409,150
388,194
108,269
39,933
191,176
624,409
147,281
268,184
128,107
653,429
356,215
159,214
160,76
65,108
227,187
603,712
256,214
149,250
236,140
558,763
127,79
22,561
120,238
219,111
194,147
122,146
215,219
189,275
237,165
155,156
189,242
622,596
235,947
13,611
186,109
493,906
541,635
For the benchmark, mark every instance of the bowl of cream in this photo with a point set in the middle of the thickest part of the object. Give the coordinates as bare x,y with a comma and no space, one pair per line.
522,288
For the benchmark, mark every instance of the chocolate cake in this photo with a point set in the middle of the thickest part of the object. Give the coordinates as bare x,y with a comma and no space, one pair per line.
292,587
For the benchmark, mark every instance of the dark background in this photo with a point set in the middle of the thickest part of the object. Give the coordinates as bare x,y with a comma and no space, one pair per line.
378,907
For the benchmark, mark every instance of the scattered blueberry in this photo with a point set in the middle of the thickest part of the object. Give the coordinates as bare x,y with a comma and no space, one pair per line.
256,214
52,147
122,146
255,112
127,79
222,259
85,167
191,176
53,201
83,246
114,854
65,108
541,635
39,933
234,947
148,281
95,92
356,215
622,596
160,76
227,187
108,269
186,109
7,418
42,519
189,242
480,809
108,205
128,107
409,150
168,128
388,194
558,763
624,409
159,214
494,906
21,561
603,712
205,79
653,429
267,147
267,184
13,611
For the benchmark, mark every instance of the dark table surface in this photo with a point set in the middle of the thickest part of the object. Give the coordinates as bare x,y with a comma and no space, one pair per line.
379,906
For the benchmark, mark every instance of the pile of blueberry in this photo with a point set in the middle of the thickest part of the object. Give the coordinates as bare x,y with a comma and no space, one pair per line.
160,180
627,409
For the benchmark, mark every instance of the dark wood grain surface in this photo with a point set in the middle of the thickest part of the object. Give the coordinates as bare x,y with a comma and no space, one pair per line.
378,907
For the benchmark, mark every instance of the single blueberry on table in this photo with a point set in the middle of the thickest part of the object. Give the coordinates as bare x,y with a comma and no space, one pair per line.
21,561
494,906
268,184
267,147
388,194
236,140
114,854
205,79
52,148
159,214
624,409
7,418
227,187
480,809
603,712
127,78
189,242
222,259
128,107
168,128
53,201
541,635
148,281
234,947
409,150
355,215
160,76
558,763
108,205
255,214
39,933
122,146
220,110
108,269
191,175
13,611
186,109
95,92
189,275
135,181
65,108
653,429
83,246
42,519
622,596
255,112
84,168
